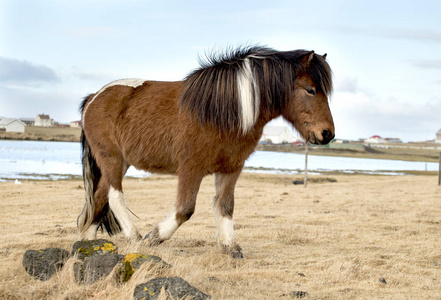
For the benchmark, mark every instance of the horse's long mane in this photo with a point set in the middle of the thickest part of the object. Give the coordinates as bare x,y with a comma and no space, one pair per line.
228,89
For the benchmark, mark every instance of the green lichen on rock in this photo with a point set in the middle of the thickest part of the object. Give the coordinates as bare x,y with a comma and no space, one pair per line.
133,261
85,249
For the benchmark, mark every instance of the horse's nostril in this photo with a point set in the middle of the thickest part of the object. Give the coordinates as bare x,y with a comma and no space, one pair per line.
327,135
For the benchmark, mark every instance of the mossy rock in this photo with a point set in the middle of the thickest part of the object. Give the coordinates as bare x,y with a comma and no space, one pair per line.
176,287
132,261
95,267
42,264
85,249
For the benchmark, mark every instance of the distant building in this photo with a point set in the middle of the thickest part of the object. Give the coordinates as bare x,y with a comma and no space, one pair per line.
56,124
75,124
438,137
28,121
393,140
12,125
375,139
277,135
44,121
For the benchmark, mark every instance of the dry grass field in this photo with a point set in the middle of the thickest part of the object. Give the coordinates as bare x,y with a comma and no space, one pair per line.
36,133
331,240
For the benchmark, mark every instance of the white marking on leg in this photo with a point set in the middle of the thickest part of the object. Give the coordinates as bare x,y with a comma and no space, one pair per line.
249,97
225,234
90,233
134,83
167,227
118,206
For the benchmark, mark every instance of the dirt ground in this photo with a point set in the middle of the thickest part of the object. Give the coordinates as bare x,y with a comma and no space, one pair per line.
362,237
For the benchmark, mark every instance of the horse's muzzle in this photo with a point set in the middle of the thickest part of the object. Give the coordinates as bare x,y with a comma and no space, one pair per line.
327,136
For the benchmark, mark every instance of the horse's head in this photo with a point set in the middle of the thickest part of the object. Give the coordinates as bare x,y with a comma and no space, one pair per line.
308,108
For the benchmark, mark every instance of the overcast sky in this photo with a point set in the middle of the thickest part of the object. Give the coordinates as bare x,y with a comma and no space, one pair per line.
385,55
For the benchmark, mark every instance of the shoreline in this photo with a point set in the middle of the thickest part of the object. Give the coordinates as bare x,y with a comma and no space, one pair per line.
423,152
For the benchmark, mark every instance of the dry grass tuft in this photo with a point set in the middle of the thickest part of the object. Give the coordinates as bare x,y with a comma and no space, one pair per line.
361,237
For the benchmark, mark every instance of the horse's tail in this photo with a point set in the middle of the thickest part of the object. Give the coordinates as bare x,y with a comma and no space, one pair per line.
91,177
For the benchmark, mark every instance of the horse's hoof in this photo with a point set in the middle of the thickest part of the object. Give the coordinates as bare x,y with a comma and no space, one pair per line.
237,255
153,237
234,251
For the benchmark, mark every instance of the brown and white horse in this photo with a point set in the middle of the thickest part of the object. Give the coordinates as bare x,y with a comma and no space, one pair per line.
209,123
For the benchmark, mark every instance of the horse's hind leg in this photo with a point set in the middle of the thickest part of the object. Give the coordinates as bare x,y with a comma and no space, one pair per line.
113,167
118,206
223,207
183,209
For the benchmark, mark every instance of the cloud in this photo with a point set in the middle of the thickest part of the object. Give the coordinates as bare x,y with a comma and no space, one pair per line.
61,106
348,85
20,72
427,64
359,115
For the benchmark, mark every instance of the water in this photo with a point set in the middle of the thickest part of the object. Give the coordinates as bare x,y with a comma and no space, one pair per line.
289,162
61,160
43,160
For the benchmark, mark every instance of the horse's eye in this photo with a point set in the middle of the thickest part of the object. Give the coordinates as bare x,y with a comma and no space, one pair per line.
310,91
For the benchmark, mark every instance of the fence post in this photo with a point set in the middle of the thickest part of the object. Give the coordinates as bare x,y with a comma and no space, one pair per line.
305,181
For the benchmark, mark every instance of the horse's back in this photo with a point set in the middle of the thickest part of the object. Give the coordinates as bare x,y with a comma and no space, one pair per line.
135,121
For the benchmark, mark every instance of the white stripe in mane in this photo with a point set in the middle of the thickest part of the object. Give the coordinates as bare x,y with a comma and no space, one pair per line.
249,99
133,82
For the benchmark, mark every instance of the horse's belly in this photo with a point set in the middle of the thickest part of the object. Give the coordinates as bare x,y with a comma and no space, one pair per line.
152,161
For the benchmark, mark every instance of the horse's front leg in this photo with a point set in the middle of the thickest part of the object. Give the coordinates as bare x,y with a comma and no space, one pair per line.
223,207
183,208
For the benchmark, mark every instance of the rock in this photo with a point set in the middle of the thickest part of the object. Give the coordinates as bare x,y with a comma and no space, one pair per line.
95,267
99,257
382,280
42,264
298,294
85,249
213,279
132,261
176,287
315,180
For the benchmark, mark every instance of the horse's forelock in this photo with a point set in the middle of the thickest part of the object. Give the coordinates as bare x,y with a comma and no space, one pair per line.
321,74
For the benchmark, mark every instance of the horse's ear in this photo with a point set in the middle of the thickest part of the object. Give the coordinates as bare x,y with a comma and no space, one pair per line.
324,55
306,60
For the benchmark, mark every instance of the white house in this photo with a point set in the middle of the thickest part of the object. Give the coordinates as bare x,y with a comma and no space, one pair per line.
44,121
12,125
375,139
438,137
75,124
278,135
